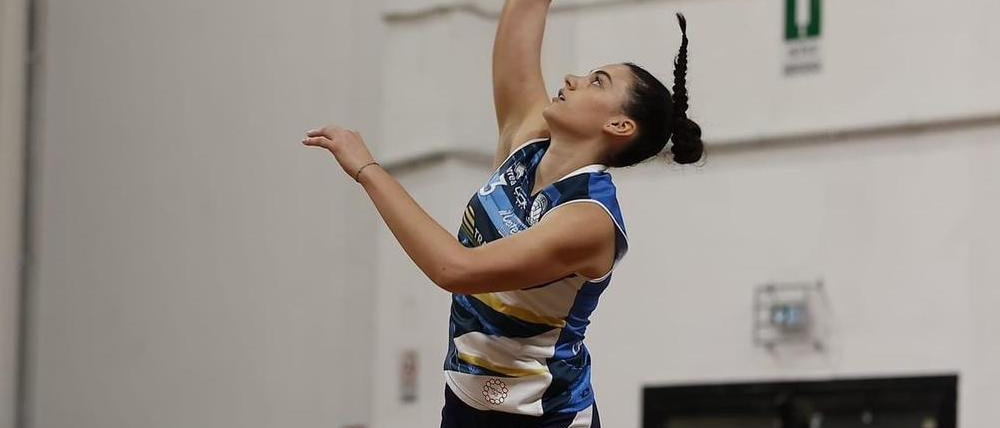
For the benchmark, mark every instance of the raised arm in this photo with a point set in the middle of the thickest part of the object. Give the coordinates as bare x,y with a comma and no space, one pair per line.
519,92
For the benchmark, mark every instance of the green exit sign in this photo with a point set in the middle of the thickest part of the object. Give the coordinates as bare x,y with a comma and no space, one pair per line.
803,19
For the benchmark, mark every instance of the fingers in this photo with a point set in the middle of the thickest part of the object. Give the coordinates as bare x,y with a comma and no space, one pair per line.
320,141
328,136
330,132
319,132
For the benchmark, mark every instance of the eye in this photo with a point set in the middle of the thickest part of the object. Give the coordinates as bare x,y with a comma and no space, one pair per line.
596,81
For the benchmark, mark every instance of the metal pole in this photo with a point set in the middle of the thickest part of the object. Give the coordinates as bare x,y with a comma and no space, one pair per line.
27,262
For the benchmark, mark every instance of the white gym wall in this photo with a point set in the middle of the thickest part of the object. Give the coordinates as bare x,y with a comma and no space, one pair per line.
197,267
874,174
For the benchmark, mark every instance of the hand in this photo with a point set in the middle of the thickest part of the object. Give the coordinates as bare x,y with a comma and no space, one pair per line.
346,145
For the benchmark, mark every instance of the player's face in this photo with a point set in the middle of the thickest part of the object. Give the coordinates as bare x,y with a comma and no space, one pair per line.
586,103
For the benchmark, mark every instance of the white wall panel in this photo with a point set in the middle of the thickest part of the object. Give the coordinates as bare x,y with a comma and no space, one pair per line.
883,64
437,91
198,265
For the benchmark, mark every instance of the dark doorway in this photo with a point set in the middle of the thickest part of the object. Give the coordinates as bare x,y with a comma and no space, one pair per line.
912,402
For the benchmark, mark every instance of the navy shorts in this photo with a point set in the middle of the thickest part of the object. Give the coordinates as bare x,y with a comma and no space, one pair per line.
457,414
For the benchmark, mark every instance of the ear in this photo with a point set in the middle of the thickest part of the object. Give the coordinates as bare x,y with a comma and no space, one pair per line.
620,126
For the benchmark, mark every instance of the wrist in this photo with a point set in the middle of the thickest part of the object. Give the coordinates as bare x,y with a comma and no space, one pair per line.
358,174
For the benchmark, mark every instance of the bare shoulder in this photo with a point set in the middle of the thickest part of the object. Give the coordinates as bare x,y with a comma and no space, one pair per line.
584,230
571,216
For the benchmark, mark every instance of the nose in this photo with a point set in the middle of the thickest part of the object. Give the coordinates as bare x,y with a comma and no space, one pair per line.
570,81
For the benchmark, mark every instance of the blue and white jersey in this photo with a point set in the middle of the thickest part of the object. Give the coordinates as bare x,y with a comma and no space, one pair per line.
522,351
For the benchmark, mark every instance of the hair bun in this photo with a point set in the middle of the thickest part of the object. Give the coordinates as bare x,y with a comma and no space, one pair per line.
687,147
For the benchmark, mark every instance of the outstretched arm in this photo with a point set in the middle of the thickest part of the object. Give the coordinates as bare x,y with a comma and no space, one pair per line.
571,240
576,239
519,93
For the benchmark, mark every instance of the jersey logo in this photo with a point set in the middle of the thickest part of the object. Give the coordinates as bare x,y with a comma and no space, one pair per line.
496,180
515,172
495,391
514,224
521,198
538,208
469,226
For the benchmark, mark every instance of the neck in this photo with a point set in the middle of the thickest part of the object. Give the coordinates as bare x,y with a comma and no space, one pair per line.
566,153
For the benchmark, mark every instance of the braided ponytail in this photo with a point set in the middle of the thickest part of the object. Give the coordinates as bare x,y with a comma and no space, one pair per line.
680,72
687,147
660,116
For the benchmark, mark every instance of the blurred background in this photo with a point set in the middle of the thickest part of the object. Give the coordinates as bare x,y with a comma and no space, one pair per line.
172,256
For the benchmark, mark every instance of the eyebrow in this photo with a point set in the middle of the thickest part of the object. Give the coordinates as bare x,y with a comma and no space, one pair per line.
605,73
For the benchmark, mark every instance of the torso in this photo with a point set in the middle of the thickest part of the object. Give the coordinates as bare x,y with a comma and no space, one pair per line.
522,351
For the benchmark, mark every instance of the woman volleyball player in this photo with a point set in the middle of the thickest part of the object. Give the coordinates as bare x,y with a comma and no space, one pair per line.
538,242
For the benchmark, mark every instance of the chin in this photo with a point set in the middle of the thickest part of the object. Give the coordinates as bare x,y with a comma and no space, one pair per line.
548,114
556,119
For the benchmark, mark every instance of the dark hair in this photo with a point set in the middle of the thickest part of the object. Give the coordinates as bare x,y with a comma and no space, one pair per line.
660,116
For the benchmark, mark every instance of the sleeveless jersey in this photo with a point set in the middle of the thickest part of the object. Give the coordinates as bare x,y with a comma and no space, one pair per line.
522,351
